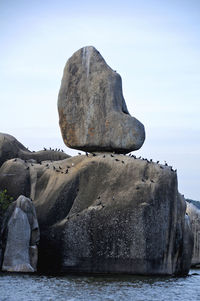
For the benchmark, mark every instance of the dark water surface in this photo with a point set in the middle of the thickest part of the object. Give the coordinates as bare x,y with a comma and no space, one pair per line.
28,287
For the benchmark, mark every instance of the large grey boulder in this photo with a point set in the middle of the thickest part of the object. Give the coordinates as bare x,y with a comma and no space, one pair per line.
109,214
20,236
10,148
194,215
92,110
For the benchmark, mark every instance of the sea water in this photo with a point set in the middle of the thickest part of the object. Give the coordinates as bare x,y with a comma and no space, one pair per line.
33,287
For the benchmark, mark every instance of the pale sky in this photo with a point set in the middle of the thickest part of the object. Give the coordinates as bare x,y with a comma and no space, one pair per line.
153,45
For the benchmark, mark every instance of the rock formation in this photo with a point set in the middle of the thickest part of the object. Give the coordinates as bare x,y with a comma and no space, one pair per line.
108,214
10,148
92,110
194,215
98,213
20,236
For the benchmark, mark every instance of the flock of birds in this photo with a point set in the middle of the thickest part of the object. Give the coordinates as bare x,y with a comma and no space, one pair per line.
66,169
130,155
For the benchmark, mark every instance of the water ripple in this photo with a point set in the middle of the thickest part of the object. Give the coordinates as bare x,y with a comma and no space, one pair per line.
28,287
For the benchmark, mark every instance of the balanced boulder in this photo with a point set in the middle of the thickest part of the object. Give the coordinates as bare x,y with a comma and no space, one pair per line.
92,110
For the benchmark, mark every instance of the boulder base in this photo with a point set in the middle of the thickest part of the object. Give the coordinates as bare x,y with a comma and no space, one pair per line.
109,214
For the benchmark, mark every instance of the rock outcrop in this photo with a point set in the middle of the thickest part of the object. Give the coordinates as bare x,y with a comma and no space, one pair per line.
92,110
108,214
20,236
194,215
10,148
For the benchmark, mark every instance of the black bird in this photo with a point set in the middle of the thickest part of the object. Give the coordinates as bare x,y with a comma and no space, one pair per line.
47,165
60,167
152,181
151,160
62,151
57,170
94,154
27,167
66,171
50,148
54,167
166,163
157,162
15,160
129,155
111,155
116,159
86,154
123,162
161,166
104,156
143,180
79,154
45,149
98,197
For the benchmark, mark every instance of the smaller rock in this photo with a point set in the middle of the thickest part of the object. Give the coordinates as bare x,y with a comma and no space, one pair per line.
194,216
20,236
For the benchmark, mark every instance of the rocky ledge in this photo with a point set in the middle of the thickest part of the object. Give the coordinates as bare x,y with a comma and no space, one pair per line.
106,213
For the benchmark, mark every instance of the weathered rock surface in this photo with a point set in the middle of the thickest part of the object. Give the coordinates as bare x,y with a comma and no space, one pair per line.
194,215
20,236
92,110
10,148
108,214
